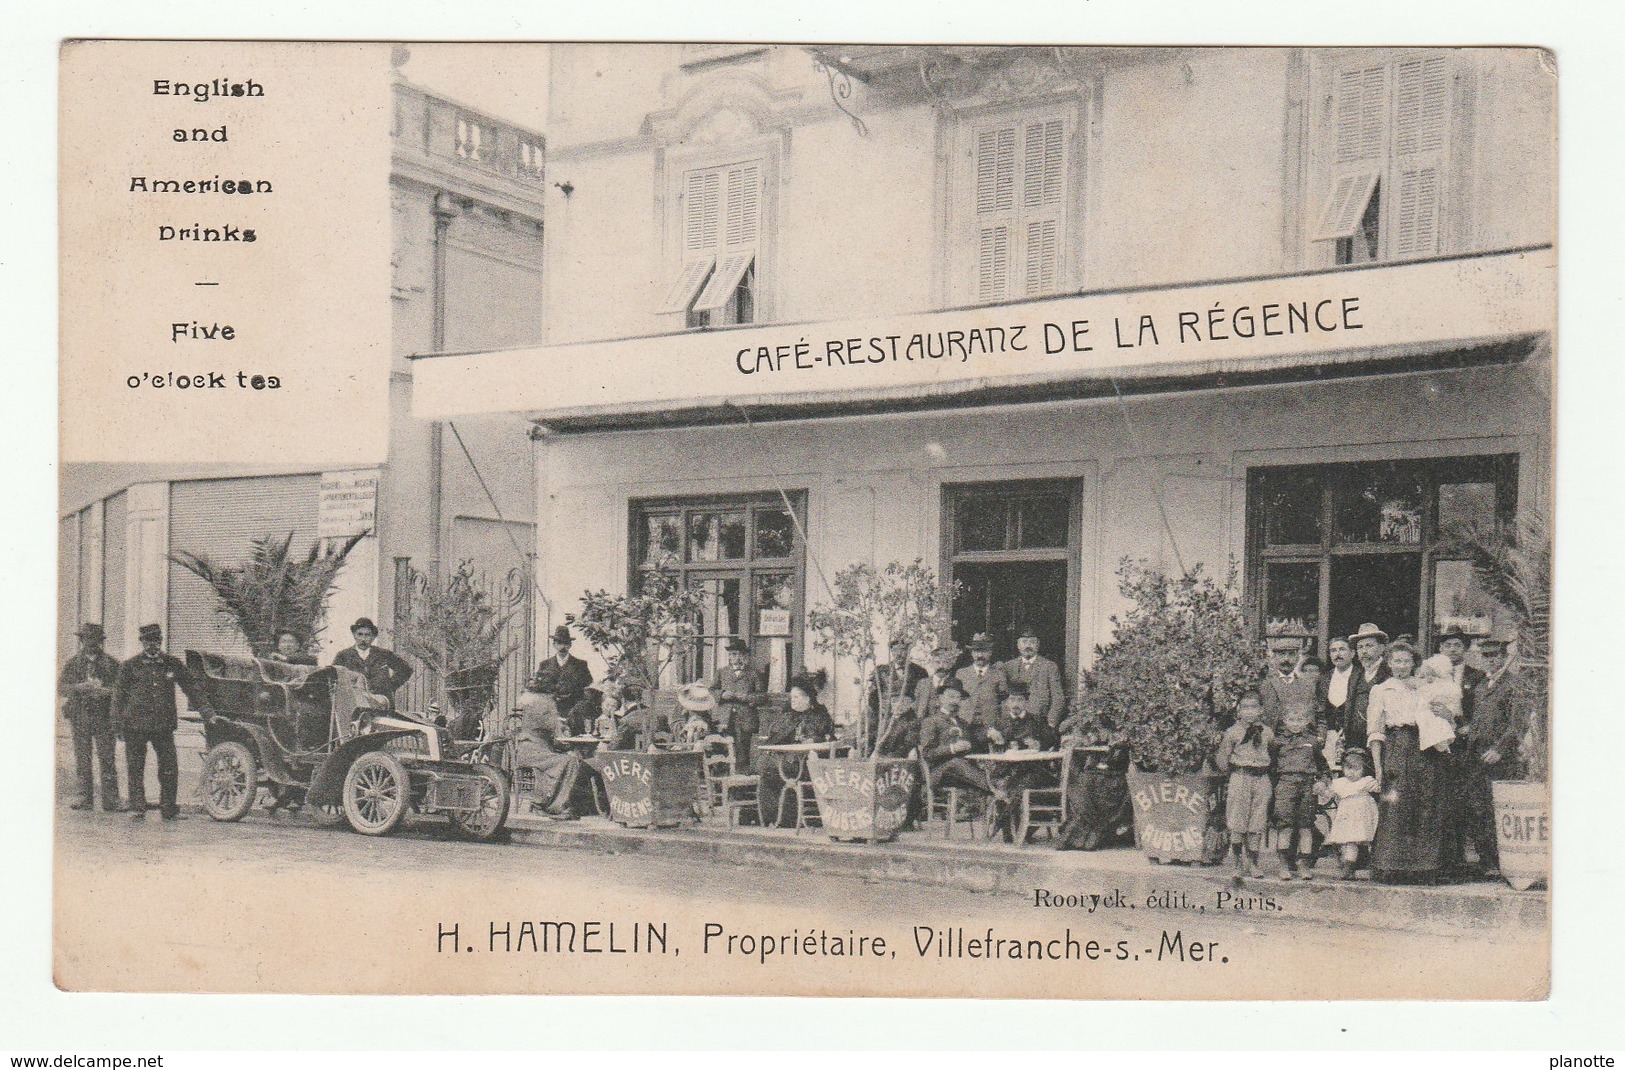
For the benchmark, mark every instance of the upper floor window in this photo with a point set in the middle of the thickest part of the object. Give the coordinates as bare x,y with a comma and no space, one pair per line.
720,214
1011,206
1388,161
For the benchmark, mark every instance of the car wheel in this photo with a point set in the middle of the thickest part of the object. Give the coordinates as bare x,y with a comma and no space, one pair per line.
377,793
230,781
487,821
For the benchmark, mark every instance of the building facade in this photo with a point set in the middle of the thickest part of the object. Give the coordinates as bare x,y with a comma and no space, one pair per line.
466,270
1025,312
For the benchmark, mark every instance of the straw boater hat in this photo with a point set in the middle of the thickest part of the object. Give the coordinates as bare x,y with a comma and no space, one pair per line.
1369,631
696,698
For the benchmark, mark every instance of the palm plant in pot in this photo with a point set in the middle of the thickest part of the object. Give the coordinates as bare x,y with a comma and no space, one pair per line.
1179,659
459,629
900,607
1508,743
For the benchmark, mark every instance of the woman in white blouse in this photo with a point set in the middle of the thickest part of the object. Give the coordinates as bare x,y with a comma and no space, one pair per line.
1409,846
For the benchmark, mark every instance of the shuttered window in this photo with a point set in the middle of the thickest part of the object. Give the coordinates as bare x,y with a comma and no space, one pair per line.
1390,142
720,210
1017,208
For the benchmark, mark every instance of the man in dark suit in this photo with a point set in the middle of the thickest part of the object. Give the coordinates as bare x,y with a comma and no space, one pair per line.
1452,643
564,676
739,687
143,711
86,688
1338,688
943,660
1369,643
983,681
1500,719
385,671
893,682
1046,694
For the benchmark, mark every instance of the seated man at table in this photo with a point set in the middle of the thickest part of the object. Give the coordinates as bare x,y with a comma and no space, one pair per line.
948,735
561,791
1022,732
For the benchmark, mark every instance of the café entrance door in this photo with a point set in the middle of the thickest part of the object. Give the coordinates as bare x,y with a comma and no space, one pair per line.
1013,548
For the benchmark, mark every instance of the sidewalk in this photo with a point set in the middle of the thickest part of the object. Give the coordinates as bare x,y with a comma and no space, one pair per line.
1476,909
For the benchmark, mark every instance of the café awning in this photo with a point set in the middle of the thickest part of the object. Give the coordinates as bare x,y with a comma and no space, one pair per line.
1424,315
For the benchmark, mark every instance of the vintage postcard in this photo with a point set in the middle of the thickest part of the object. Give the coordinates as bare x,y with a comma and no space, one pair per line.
783,519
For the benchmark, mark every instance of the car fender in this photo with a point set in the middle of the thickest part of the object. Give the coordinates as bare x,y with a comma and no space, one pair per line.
329,778
257,740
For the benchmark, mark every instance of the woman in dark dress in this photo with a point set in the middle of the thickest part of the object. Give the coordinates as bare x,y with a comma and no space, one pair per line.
1412,814
804,720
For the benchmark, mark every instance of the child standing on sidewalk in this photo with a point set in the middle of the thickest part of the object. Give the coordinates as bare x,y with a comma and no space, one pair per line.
1244,753
1355,822
1298,766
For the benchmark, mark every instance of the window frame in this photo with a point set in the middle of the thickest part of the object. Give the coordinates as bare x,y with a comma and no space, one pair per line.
757,276
1349,245
959,226
747,569
1501,469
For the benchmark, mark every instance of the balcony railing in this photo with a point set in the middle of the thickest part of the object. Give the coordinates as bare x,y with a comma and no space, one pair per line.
443,131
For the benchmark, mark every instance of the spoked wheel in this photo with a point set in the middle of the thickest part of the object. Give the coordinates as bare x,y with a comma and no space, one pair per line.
230,781
377,793
487,821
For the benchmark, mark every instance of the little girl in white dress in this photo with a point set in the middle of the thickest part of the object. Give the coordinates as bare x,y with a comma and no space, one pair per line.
1355,822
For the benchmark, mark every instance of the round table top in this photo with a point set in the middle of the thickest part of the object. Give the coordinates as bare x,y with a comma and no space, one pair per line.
802,748
1019,756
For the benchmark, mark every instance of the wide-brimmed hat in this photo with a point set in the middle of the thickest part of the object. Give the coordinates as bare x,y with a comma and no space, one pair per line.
696,698
364,622
1369,631
150,631
1454,631
1286,642
981,641
1498,637
561,635
90,631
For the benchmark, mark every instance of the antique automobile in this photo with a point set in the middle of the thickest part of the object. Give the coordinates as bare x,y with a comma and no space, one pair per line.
315,737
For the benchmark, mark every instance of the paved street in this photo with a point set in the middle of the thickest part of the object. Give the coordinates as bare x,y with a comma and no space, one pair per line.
282,905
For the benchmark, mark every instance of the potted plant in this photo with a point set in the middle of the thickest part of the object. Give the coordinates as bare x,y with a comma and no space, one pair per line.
274,590
866,796
1513,564
1179,658
459,629
644,635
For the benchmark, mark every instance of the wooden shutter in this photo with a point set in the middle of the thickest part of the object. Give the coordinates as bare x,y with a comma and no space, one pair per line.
1360,102
1420,139
701,203
743,205
1018,225
1043,184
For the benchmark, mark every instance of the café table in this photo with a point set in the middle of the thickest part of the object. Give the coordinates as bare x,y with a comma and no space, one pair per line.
791,759
1006,764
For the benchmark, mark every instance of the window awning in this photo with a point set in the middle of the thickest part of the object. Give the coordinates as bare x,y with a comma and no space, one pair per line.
1444,312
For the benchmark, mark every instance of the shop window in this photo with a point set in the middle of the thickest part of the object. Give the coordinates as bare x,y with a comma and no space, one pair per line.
1012,201
745,557
1334,546
1388,154
720,224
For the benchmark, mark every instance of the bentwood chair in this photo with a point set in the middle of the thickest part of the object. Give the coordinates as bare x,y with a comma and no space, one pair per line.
946,803
1044,808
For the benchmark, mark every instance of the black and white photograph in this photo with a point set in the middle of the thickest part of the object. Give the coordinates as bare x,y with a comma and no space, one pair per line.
1063,522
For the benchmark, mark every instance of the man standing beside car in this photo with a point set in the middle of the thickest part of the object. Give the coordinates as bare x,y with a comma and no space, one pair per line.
86,687
143,711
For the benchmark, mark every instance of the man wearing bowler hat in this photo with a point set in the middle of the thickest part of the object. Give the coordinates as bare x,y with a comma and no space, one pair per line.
86,687
143,712
1494,735
385,670
983,681
739,687
564,676
1046,694
1370,669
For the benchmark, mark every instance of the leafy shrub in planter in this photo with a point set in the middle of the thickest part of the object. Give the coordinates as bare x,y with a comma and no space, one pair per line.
1179,659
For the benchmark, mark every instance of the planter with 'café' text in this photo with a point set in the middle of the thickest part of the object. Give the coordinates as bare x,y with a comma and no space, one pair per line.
1523,831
